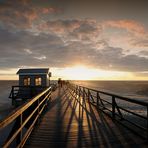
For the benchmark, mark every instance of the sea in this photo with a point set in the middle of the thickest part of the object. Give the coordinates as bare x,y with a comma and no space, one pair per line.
5,102
132,89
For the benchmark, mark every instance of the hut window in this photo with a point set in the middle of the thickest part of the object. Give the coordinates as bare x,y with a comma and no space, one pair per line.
26,81
38,81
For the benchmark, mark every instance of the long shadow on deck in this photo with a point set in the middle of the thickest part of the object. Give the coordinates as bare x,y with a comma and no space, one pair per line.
73,122
102,131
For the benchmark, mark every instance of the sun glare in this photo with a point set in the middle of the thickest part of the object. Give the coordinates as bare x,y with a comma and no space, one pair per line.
79,73
84,73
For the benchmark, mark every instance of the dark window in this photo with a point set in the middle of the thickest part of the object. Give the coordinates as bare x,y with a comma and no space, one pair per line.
38,81
26,81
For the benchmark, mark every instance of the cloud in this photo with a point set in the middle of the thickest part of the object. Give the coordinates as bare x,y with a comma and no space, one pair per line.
133,63
140,42
28,51
143,52
128,33
59,27
49,10
20,48
42,57
22,13
64,47
129,25
87,30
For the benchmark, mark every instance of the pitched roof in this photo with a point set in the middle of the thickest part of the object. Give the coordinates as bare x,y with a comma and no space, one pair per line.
33,71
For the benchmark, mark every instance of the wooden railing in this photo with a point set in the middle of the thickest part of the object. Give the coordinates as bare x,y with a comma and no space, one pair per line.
21,121
131,113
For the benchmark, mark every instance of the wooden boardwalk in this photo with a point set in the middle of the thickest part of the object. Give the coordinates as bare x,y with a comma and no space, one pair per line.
73,122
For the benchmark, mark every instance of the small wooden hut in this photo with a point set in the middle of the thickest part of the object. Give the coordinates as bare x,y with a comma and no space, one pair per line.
31,82
34,77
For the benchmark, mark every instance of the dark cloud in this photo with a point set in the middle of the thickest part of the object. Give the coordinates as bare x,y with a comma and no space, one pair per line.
133,63
14,45
115,59
22,13
103,9
86,31
24,48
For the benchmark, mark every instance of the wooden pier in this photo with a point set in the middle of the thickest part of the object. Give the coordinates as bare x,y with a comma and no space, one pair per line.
70,120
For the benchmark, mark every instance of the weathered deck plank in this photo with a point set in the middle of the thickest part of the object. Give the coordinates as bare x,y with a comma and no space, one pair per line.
73,122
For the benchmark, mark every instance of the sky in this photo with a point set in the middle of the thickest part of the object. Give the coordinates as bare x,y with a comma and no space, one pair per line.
76,39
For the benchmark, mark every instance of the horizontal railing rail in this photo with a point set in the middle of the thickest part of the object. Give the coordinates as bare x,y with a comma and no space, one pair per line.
16,89
22,120
131,113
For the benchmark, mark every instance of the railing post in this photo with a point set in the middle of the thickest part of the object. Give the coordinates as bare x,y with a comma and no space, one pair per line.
72,88
147,124
75,89
88,95
79,91
18,125
113,107
38,107
12,92
21,122
97,99
12,95
83,93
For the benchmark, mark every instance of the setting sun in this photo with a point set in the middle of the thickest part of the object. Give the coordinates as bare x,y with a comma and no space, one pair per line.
80,73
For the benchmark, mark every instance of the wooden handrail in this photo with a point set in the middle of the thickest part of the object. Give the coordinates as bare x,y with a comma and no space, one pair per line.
7,120
41,101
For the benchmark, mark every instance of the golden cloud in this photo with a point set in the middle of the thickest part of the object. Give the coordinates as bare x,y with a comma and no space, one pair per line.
129,25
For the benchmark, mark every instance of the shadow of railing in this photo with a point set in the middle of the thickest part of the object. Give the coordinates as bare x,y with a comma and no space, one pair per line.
101,130
119,108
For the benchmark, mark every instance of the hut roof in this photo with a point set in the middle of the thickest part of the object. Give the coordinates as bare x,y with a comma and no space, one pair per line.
33,71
